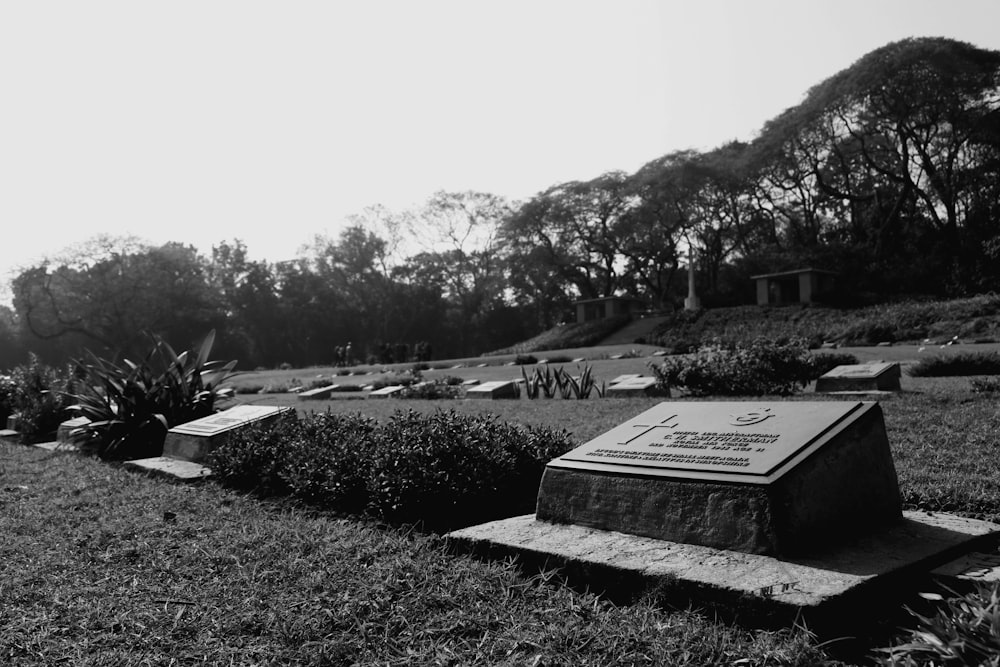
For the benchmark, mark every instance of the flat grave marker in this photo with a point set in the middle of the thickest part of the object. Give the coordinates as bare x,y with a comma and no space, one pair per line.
626,376
317,393
387,392
194,440
496,389
874,376
65,433
634,386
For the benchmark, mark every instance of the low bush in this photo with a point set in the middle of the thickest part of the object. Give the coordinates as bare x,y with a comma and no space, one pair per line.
448,469
432,391
525,360
7,395
38,397
962,363
442,470
989,385
253,458
324,460
759,368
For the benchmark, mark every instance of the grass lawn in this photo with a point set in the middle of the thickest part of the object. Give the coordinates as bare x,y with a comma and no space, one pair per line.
99,566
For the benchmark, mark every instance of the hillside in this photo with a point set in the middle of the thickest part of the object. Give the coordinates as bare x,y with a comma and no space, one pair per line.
975,319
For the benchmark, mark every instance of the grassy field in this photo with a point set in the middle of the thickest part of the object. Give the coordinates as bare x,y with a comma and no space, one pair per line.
99,566
103,567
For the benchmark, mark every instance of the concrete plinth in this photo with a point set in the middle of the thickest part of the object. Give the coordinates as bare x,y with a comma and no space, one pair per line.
184,471
848,579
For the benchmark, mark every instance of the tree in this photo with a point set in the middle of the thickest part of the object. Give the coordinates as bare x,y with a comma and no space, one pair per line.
108,293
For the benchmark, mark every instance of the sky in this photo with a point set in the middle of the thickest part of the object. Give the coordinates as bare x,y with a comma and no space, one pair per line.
271,122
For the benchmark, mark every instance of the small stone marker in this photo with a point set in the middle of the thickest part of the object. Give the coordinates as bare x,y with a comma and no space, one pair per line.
875,376
494,390
623,378
660,353
317,393
578,360
10,436
387,392
768,477
636,386
65,435
470,382
187,445
194,440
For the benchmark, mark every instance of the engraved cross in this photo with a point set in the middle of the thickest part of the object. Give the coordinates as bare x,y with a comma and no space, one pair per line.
649,428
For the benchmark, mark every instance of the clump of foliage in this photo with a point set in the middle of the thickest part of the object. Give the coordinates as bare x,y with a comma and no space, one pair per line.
36,393
758,368
989,385
132,405
7,391
525,360
439,389
442,470
963,630
545,381
962,363
398,379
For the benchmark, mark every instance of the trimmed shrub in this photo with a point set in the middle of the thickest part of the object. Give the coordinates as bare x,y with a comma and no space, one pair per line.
442,470
432,391
755,369
325,460
448,469
253,458
960,364
525,360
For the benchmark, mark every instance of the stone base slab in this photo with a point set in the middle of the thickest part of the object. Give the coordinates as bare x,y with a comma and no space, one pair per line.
184,471
841,584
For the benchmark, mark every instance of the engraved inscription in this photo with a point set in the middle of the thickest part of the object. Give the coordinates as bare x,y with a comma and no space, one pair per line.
727,437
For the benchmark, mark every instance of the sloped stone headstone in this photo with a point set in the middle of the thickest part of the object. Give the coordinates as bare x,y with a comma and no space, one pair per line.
876,376
317,393
767,477
625,377
494,390
65,433
387,392
194,440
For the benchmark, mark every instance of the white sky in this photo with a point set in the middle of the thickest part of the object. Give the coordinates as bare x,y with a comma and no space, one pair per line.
208,120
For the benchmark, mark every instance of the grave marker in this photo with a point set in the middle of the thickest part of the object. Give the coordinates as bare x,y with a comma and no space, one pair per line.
65,435
318,393
494,390
636,386
387,392
874,376
759,477
194,440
